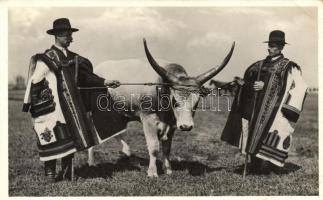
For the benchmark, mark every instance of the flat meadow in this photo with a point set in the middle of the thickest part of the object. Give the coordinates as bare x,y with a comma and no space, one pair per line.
202,164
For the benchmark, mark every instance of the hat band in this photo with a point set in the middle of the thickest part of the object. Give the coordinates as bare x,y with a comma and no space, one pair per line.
276,39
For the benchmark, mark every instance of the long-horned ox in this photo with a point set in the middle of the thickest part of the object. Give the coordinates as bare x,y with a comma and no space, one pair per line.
143,103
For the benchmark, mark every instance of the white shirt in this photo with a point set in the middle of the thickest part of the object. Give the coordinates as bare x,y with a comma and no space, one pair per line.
275,57
61,48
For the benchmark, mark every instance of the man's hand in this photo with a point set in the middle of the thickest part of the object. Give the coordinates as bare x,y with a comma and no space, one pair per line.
112,83
258,85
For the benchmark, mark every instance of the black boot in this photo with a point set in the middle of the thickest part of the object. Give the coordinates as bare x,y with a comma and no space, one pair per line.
50,171
67,167
259,166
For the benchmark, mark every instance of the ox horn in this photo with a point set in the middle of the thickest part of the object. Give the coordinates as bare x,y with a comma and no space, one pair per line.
160,70
202,78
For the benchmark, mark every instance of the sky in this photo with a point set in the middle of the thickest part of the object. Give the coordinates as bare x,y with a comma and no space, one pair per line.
196,38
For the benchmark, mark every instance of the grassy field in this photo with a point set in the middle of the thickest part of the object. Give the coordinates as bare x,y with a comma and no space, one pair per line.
202,164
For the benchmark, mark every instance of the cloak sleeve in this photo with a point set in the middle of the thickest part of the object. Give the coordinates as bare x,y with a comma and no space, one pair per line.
89,79
86,76
241,107
293,105
247,91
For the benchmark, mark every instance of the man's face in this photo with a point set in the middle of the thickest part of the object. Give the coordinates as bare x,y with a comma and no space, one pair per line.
274,49
64,38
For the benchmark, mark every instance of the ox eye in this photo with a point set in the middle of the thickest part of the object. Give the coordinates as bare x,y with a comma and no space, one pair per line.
175,103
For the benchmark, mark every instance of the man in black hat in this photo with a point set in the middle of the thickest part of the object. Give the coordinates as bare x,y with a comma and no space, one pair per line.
59,109
268,103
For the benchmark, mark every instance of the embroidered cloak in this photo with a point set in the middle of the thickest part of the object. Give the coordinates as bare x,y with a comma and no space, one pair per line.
59,110
278,106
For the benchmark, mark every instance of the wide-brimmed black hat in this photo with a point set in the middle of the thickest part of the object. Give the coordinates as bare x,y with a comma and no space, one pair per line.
277,37
59,25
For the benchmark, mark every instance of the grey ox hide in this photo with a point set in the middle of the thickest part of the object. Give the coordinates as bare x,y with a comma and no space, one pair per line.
158,125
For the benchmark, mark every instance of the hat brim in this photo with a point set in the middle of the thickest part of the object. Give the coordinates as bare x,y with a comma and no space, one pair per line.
277,42
55,31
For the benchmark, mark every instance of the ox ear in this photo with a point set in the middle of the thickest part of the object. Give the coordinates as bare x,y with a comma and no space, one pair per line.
202,78
160,70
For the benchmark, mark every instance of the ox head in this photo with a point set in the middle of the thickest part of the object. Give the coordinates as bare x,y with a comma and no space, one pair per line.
184,95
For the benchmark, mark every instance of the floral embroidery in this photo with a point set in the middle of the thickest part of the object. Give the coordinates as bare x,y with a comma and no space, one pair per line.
46,135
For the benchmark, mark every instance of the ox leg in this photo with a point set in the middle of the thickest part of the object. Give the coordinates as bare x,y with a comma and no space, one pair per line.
125,147
150,131
90,160
166,147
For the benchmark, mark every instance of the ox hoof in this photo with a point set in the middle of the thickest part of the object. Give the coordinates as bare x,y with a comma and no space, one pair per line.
124,155
164,138
169,171
126,152
152,174
91,164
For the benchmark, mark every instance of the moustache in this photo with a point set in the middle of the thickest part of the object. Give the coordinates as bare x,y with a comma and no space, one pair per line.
271,50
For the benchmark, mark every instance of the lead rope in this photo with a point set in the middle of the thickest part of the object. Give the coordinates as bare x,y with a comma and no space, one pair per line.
203,91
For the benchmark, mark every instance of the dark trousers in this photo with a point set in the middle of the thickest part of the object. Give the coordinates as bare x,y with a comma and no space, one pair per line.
66,172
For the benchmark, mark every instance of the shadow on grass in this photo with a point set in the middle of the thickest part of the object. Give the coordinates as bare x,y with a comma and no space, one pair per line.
287,169
194,168
134,163
105,170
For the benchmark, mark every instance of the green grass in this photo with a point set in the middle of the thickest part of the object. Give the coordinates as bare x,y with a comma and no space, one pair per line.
202,164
